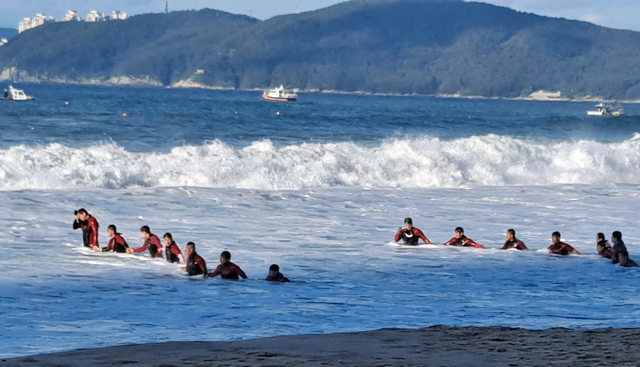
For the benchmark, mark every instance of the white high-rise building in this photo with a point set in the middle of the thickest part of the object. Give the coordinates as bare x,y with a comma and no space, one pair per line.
38,20
71,15
118,15
95,16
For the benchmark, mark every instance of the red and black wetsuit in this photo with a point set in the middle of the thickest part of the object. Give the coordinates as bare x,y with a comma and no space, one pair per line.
154,246
278,278
411,236
561,248
229,271
196,265
516,244
89,231
116,244
173,253
463,241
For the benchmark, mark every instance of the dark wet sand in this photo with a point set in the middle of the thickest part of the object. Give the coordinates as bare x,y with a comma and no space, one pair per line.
434,346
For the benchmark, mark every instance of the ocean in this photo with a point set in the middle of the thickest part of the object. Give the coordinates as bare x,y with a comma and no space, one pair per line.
320,187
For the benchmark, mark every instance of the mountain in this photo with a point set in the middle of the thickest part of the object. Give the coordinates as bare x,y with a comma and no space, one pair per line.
377,46
8,32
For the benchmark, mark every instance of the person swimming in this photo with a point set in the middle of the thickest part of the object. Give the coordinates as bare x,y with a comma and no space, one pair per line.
172,251
620,255
227,269
151,242
560,248
117,243
89,226
410,234
195,263
275,275
460,239
603,247
512,241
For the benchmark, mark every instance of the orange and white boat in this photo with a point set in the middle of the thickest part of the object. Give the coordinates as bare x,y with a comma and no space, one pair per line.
279,94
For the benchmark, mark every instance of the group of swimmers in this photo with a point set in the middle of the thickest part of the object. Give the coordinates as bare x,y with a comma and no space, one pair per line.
618,253
194,263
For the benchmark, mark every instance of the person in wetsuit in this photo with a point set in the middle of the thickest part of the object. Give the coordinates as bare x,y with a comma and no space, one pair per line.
227,269
410,234
195,263
512,241
560,248
603,247
275,275
151,243
117,243
460,239
620,255
89,226
171,250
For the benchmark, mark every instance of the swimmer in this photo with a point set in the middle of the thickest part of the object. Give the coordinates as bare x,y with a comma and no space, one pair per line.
195,263
117,243
89,226
620,254
172,251
603,247
460,239
227,269
410,234
151,242
275,275
561,248
512,241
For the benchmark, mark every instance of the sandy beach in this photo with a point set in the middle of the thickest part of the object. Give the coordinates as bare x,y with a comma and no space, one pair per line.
434,346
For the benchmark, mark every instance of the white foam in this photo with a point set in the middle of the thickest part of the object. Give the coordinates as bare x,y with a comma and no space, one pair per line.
424,162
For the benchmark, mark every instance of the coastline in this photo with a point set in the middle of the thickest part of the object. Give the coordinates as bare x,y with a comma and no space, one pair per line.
433,346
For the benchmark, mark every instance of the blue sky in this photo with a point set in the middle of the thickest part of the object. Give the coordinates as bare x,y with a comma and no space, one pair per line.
610,13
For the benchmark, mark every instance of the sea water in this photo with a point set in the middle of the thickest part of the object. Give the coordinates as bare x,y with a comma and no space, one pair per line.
319,187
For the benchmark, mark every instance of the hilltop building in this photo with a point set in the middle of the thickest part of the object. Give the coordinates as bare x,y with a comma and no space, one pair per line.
71,16
95,16
118,15
30,23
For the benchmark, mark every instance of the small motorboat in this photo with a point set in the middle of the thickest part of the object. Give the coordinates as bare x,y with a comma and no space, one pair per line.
606,109
14,94
280,94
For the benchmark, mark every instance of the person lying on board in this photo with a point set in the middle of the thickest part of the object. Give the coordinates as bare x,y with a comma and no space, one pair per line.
603,247
410,234
512,241
227,269
275,275
151,242
560,248
117,243
620,254
460,239
195,263
89,226
172,251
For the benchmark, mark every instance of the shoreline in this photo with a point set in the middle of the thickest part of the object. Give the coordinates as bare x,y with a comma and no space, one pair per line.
433,346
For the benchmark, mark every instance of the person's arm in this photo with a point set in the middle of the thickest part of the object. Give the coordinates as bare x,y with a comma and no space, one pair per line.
450,242
203,265
156,241
236,269
505,246
93,237
399,234
471,243
421,235
77,223
521,246
145,246
110,245
570,249
216,272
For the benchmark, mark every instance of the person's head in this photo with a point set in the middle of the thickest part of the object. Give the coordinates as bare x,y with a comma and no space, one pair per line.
600,237
408,223
225,257
616,237
511,235
168,238
82,214
555,237
145,232
111,230
274,270
189,250
459,232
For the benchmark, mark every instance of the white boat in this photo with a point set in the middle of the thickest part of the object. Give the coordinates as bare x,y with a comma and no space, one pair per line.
606,109
13,94
279,94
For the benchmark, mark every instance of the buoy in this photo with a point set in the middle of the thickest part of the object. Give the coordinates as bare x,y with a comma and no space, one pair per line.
32,128
66,102
278,113
124,115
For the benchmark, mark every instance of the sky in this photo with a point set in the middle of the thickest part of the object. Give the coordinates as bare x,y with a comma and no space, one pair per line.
622,14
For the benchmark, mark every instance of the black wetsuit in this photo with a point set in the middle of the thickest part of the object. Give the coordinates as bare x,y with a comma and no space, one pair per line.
85,231
620,250
278,278
171,252
604,249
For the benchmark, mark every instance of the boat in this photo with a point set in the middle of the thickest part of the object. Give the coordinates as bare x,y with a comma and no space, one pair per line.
606,109
279,94
14,94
